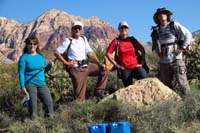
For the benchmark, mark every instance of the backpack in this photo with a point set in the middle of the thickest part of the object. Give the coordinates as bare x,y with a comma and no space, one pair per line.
155,37
111,67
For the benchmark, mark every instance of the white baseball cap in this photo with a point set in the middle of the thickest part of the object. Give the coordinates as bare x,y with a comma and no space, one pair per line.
122,23
77,23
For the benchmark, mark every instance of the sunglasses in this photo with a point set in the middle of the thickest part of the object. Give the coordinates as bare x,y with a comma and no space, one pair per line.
77,27
32,44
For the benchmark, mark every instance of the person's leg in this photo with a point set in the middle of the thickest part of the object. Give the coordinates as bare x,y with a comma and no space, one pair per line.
180,72
79,80
32,90
166,74
95,70
127,79
45,97
139,73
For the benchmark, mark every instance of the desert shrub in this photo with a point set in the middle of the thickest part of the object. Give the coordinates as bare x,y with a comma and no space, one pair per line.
38,125
76,116
166,117
113,83
5,120
10,93
193,60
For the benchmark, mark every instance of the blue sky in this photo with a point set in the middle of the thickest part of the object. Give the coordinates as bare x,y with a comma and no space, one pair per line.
138,13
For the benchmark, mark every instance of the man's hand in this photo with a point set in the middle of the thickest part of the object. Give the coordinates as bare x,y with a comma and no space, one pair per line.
102,66
71,62
178,51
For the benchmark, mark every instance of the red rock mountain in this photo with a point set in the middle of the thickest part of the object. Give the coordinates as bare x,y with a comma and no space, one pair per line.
51,28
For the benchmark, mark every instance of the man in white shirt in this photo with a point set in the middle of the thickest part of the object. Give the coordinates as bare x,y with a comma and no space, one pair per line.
78,49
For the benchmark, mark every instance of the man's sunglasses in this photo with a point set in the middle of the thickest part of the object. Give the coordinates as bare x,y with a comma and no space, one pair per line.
77,27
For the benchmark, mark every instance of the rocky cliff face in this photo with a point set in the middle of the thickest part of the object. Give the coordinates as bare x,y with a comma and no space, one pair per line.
51,28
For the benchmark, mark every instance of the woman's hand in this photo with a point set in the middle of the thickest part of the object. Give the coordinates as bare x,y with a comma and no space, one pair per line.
24,91
119,67
51,63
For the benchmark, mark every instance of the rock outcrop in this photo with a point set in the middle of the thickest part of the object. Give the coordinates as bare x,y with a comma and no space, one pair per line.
145,92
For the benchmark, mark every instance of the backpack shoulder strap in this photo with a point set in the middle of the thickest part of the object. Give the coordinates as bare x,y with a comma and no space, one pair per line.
70,39
133,40
67,50
173,29
84,38
116,46
155,31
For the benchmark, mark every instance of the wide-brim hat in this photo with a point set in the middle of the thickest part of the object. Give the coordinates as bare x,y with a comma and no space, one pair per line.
161,10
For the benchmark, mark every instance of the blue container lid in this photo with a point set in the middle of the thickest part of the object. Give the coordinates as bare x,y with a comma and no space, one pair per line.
97,128
119,127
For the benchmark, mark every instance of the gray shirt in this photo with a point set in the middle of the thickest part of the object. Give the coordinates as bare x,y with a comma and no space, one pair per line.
167,37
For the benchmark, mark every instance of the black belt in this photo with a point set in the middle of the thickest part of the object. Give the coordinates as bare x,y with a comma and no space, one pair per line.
82,62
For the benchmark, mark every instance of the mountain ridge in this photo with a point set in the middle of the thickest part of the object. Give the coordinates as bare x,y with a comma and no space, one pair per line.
51,28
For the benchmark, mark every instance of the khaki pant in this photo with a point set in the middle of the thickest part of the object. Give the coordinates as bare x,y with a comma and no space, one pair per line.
79,78
178,69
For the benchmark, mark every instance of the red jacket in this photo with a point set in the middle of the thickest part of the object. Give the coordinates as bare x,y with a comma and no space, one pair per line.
126,52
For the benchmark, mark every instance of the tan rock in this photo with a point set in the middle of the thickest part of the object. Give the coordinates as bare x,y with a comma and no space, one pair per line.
145,92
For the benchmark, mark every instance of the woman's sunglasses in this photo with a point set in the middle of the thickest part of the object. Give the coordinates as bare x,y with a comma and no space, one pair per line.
32,43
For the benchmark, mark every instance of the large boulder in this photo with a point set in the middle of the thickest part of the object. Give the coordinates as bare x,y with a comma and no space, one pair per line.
145,92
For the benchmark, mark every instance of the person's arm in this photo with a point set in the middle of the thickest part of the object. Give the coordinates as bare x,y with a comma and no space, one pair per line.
62,59
60,50
21,73
111,48
48,66
184,35
93,56
111,59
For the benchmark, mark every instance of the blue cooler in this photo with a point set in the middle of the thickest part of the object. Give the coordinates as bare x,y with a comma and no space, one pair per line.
98,128
119,127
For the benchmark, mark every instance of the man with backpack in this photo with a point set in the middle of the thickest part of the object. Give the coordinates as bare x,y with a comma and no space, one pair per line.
129,55
77,49
170,40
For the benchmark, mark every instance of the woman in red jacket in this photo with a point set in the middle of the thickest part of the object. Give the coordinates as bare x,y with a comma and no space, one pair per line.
126,49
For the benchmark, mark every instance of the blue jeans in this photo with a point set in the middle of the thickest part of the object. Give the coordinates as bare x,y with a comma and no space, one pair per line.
42,92
128,74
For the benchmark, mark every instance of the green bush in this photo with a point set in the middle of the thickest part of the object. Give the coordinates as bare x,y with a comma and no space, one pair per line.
10,93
